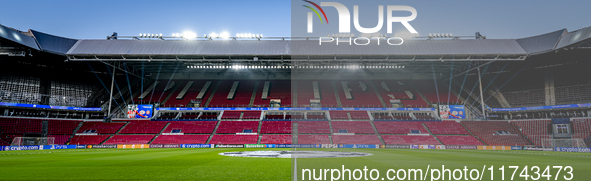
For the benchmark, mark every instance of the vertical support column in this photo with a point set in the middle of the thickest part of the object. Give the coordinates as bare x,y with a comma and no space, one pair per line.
481,95
549,90
111,96
45,90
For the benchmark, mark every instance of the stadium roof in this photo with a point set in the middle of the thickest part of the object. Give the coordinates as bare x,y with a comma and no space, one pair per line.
17,37
294,50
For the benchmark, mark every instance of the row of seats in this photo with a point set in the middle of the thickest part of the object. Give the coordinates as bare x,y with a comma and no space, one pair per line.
61,126
458,140
400,127
60,139
100,127
181,139
409,140
276,127
352,127
276,139
17,125
488,131
446,127
143,127
535,130
191,126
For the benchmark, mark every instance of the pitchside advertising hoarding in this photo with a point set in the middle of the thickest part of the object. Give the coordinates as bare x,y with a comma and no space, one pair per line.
452,112
140,111
133,146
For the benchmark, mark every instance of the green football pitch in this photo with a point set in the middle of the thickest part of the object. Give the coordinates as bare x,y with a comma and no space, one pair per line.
206,164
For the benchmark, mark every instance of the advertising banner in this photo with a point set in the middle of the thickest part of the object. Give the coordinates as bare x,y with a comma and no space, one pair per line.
283,145
358,146
516,148
440,147
537,148
414,146
397,146
426,147
50,107
133,146
80,146
197,146
307,146
452,112
329,146
58,147
259,146
15,148
494,147
542,107
287,109
229,146
101,146
164,146
461,147
140,111
573,149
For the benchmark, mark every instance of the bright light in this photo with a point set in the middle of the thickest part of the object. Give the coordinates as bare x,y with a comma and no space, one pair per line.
225,35
189,35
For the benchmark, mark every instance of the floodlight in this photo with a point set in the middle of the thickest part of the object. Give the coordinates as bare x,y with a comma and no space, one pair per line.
225,35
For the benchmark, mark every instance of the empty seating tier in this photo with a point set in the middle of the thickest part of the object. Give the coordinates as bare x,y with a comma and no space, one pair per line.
279,116
276,127
61,126
143,127
399,127
313,139
181,139
10,125
352,127
458,140
251,115
100,127
238,127
88,139
446,127
191,126
60,139
336,115
489,131
582,126
359,115
409,140
234,139
129,139
535,130
313,126
355,139
231,114
276,139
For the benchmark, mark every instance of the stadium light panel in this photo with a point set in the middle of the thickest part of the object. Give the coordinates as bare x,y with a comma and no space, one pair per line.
189,35
225,35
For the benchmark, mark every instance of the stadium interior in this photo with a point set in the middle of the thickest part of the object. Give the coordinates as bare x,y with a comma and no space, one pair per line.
514,92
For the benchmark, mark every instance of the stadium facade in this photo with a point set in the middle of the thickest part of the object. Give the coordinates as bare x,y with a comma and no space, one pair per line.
454,91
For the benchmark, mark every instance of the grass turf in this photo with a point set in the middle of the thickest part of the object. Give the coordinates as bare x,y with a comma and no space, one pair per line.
206,164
